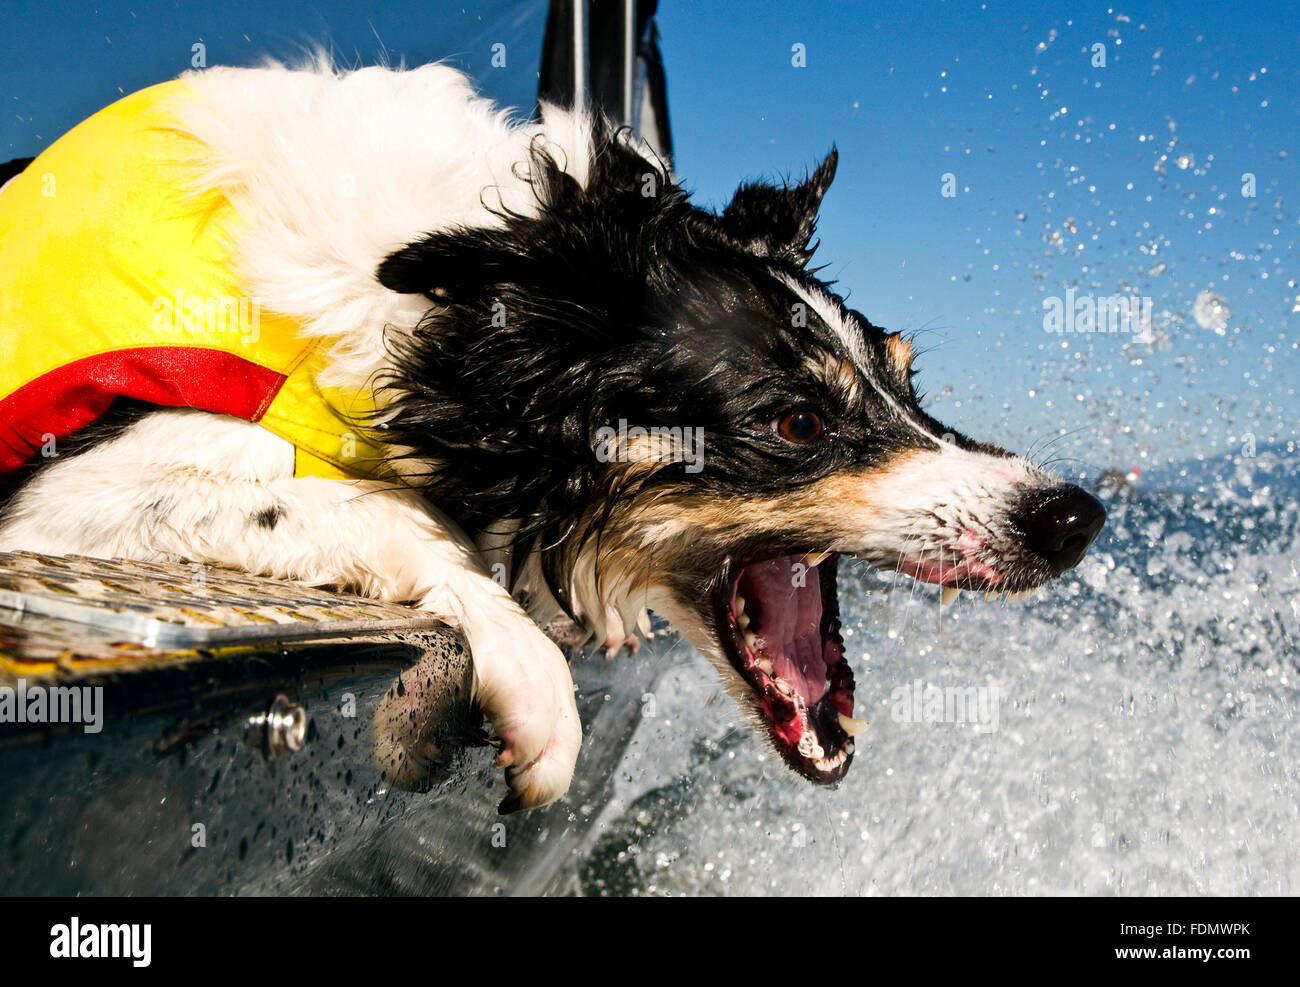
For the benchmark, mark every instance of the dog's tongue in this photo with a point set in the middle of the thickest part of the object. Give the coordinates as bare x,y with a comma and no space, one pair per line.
783,599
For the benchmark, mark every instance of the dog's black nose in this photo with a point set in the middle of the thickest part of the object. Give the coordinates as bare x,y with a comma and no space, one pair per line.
1060,525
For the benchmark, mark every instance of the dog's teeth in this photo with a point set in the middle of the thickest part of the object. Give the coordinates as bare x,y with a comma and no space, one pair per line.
809,747
851,726
764,664
949,595
838,758
751,641
815,559
740,604
743,620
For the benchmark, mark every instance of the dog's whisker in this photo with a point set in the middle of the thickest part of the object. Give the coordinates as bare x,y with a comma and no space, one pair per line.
1048,442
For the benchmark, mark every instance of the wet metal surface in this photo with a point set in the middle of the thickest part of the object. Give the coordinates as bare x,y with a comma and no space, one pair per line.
179,789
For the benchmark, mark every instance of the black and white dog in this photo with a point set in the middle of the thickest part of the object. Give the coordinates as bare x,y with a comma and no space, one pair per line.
579,379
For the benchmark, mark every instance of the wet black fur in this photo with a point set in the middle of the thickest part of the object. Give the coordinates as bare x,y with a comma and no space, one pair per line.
623,305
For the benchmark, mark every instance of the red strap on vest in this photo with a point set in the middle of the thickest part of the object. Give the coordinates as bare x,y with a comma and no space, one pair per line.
67,399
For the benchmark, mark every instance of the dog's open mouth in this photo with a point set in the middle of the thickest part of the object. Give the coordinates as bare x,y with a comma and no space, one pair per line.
779,623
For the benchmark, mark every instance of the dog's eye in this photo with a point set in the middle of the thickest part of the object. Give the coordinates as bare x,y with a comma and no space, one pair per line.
799,425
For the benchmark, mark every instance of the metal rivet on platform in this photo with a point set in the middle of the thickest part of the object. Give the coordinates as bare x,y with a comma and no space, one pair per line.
282,728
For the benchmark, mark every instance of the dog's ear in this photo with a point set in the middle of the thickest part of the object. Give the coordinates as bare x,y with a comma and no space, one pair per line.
447,266
778,221
406,272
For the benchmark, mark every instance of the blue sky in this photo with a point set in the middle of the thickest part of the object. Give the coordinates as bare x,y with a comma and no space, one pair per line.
1057,165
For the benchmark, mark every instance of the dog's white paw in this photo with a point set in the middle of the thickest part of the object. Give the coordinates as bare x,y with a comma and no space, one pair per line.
522,684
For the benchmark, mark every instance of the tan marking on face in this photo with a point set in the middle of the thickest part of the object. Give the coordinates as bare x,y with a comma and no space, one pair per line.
900,352
646,453
839,376
657,528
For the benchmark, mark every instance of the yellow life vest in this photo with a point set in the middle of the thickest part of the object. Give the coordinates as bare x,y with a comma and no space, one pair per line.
116,280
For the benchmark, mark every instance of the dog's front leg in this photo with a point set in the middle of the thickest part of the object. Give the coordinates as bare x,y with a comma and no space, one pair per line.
521,680
385,543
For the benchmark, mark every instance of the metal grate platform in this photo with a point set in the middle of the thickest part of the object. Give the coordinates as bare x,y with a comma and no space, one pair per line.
110,609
